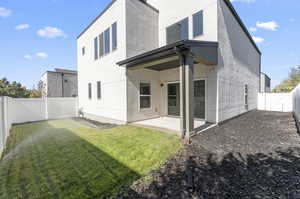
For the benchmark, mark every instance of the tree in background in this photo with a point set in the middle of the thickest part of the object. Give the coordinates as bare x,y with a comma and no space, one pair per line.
289,84
16,90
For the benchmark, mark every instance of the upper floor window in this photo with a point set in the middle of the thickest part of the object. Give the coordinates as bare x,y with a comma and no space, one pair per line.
198,24
114,36
96,48
101,45
178,31
83,51
107,41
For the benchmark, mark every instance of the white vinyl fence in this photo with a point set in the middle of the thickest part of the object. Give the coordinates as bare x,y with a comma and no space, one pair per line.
282,102
16,111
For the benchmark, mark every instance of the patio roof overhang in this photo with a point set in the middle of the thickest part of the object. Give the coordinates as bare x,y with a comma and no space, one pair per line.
167,57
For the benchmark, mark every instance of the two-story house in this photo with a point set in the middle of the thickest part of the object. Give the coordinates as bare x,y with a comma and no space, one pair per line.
190,61
265,83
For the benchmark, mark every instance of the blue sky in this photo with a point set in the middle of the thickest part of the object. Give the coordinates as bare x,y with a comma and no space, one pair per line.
37,36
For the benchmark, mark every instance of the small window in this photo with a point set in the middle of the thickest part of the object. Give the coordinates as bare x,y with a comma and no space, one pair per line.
107,41
96,47
178,31
101,45
246,97
98,90
145,95
198,24
90,90
83,51
114,36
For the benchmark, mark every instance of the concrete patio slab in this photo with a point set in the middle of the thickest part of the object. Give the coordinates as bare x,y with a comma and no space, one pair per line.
169,123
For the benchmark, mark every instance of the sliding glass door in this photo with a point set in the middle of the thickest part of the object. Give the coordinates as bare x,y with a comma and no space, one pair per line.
199,99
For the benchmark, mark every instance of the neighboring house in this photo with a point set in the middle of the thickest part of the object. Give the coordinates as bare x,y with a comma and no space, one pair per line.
59,83
194,60
265,83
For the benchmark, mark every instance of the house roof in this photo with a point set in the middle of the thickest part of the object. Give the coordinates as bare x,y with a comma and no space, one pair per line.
166,57
107,7
237,17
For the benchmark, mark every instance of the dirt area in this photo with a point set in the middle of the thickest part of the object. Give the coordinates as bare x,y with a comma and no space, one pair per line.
256,155
93,123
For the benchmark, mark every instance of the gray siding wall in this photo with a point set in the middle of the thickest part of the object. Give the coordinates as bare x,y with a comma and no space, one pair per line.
58,87
239,64
141,36
141,28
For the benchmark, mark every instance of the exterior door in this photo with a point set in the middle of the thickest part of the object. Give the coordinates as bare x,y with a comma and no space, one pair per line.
199,99
173,99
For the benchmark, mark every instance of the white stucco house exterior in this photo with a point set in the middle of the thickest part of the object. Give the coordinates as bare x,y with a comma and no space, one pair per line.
191,60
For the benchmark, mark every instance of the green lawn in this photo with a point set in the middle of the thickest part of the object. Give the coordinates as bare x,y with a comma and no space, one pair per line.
65,159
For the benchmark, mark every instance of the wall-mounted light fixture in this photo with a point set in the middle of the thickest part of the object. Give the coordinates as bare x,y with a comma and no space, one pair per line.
161,85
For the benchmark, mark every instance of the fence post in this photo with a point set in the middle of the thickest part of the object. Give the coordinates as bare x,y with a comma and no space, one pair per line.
6,123
46,108
2,130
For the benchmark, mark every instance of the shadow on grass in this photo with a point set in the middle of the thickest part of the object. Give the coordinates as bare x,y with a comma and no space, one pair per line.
59,164
201,175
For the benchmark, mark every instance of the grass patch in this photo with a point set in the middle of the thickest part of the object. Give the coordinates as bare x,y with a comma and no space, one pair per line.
65,159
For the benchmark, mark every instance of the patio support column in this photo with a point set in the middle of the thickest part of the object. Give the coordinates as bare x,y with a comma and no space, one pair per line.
189,95
182,96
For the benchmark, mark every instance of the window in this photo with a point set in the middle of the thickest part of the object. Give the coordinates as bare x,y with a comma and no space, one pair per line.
99,90
145,95
114,36
107,41
101,45
96,47
198,24
83,51
246,96
178,31
90,90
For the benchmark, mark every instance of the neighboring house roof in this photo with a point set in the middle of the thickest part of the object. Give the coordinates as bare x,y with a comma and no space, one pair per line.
266,75
107,7
65,71
59,70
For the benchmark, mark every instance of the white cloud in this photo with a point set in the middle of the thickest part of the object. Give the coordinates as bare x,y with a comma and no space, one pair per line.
4,12
253,29
243,1
29,57
22,27
51,32
42,55
258,40
271,25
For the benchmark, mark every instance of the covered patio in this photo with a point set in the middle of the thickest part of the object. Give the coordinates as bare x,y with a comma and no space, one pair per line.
183,55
